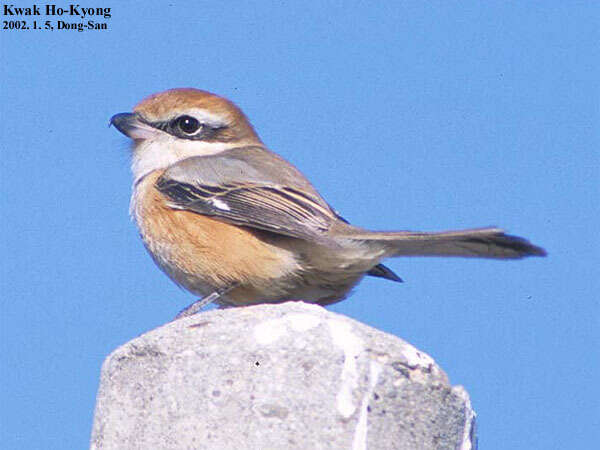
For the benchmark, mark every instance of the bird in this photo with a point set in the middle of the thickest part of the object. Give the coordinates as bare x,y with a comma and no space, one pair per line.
236,224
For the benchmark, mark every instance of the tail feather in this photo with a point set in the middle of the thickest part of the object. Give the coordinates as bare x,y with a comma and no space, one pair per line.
382,271
475,243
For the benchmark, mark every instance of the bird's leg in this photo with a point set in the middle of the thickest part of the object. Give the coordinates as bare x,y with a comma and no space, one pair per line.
201,303
197,305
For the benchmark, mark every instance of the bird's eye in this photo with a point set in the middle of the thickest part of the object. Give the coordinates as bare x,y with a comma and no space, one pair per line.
187,124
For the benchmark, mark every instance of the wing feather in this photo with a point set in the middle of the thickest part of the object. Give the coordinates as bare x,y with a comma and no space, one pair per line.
279,209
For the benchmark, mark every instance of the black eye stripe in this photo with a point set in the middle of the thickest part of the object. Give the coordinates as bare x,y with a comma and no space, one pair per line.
185,127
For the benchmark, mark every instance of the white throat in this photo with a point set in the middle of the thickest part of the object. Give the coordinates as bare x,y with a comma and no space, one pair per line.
165,150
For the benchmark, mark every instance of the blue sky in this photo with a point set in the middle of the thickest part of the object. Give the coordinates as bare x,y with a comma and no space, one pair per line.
409,115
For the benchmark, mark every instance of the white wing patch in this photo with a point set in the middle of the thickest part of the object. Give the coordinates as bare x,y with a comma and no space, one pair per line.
220,204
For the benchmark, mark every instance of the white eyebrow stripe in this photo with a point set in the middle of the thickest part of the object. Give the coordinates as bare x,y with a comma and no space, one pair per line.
209,118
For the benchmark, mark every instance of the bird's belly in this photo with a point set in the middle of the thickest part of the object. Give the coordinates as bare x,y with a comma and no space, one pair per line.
202,254
322,285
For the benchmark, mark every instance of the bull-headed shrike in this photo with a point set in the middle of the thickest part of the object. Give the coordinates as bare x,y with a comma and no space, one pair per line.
236,224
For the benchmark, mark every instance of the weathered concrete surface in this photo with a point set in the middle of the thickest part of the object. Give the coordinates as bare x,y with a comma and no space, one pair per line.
290,376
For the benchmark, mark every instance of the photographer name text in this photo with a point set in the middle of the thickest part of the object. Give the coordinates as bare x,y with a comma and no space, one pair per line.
50,17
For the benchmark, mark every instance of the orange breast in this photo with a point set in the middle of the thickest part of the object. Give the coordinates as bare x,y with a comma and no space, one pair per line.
203,254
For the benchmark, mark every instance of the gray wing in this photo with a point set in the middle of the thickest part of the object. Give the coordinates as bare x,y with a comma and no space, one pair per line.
249,187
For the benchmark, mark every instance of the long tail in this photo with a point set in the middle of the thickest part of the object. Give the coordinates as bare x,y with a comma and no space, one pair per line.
475,243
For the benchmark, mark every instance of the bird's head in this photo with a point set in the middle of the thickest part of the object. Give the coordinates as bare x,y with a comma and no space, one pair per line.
180,123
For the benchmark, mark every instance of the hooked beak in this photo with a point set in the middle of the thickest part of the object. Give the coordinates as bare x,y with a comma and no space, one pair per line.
132,126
